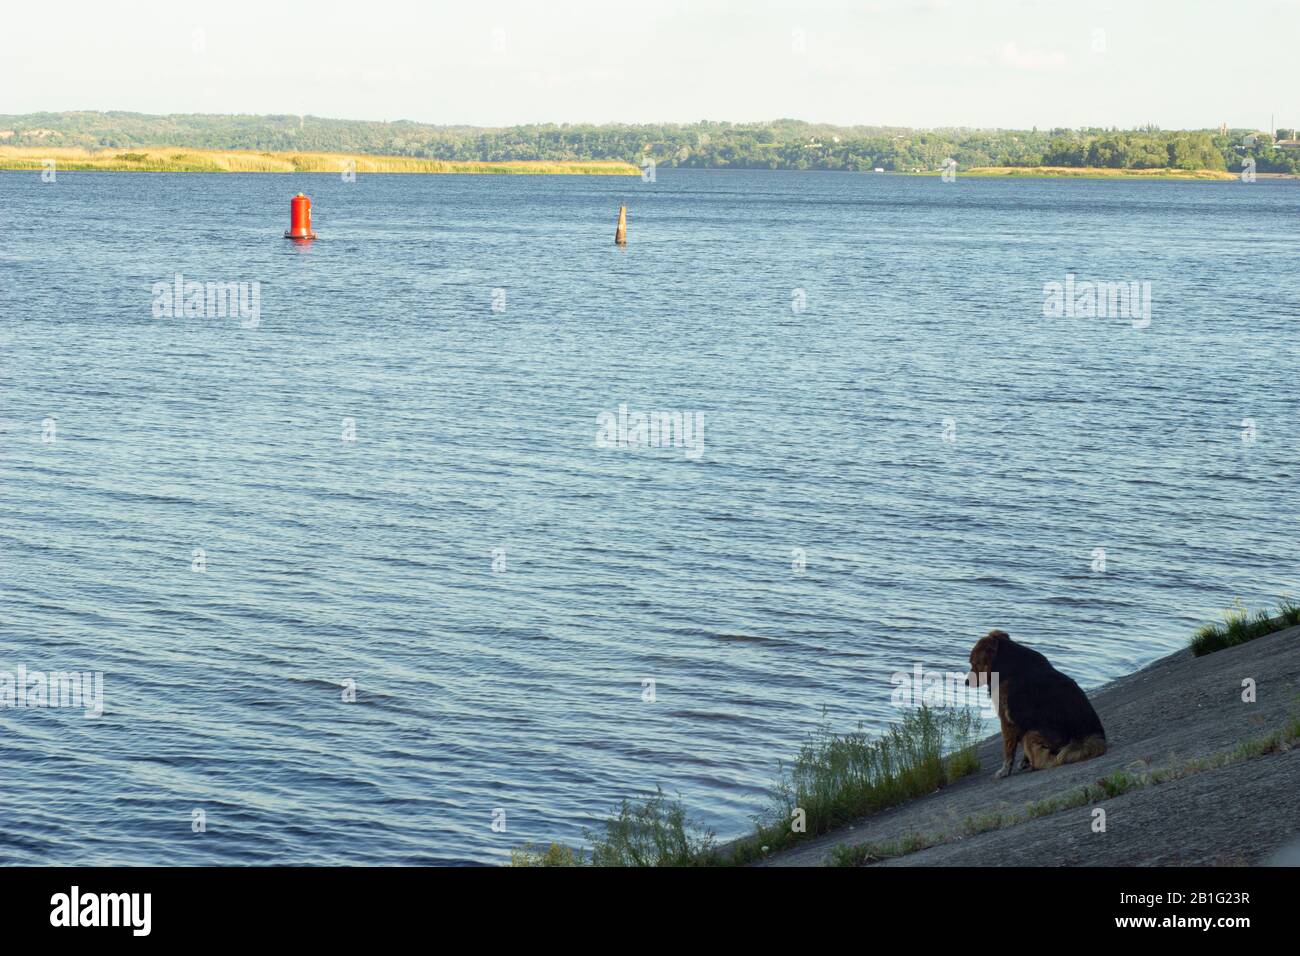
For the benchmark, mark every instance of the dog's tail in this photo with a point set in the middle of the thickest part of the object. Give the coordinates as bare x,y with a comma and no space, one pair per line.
1085,749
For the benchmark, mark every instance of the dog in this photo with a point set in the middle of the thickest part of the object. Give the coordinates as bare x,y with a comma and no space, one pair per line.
1037,705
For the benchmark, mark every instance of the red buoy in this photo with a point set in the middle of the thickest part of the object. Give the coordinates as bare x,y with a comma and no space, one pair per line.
300,218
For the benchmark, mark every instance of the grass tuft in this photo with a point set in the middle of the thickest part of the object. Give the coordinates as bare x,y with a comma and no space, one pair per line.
864,854
557,854
655,831
839,778
1239,626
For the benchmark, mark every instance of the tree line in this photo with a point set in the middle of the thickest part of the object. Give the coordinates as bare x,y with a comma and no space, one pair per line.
781,144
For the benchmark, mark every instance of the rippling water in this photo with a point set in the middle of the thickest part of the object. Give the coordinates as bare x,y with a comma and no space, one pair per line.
521,688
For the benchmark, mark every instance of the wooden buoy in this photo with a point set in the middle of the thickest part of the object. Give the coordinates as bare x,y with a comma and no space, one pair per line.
620,232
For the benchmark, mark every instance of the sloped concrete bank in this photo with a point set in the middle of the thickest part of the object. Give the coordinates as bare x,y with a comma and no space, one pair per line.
1180,712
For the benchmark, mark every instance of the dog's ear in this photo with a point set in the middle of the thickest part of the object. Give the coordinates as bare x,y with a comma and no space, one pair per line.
999,635
983,653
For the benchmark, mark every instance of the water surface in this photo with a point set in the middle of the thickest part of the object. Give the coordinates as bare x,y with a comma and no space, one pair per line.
371,561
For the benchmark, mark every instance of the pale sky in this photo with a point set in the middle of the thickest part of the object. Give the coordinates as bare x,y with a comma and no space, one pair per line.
924,63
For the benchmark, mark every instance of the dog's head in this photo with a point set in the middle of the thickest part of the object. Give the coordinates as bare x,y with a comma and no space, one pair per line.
984,657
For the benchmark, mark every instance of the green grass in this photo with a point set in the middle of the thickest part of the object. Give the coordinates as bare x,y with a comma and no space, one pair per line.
839,778
834,779
1239,626
557,854
655,831
863,854
973,826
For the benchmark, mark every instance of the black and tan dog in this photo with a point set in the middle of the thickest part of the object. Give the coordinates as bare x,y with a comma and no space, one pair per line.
1037,704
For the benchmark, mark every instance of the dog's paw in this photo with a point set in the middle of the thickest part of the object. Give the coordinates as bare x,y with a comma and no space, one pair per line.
1004,772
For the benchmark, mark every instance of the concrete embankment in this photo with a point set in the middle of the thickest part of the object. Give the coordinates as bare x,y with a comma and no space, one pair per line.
1224,804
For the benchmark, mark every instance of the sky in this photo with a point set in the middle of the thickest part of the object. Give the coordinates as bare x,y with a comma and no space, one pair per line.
919,63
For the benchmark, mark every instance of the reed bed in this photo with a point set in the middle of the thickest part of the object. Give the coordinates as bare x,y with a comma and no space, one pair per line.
180,160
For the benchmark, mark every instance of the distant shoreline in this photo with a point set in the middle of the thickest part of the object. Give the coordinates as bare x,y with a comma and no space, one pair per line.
179,159
1096,172
779,144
